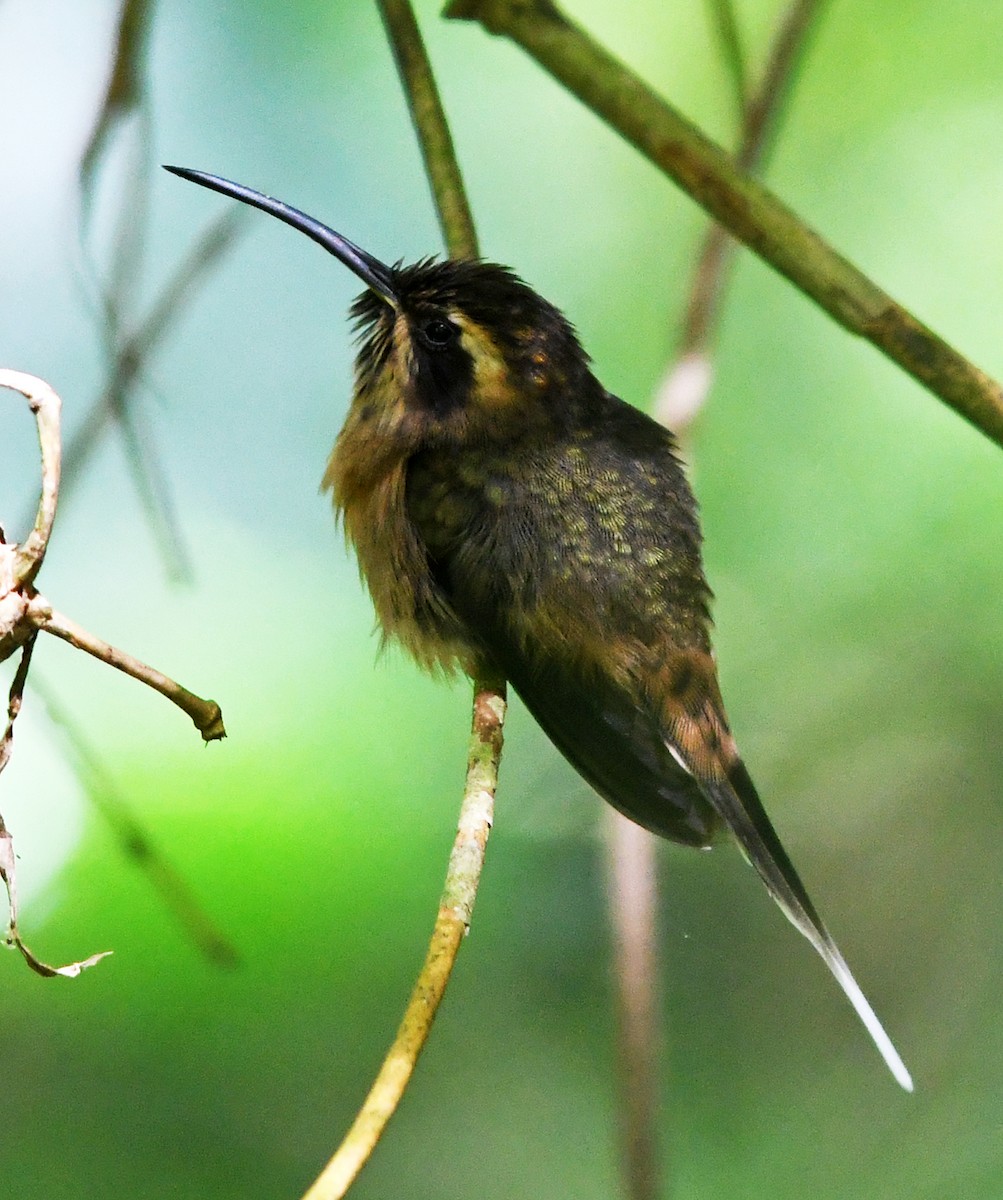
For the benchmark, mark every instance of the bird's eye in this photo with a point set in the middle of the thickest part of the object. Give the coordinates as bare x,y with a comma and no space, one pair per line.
438,333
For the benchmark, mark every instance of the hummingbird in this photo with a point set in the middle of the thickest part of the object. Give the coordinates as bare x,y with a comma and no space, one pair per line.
511,515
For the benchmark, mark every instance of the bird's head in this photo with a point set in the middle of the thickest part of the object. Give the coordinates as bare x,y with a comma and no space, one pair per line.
450,350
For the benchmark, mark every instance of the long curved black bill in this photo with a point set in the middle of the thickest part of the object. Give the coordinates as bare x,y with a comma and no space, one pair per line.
370,270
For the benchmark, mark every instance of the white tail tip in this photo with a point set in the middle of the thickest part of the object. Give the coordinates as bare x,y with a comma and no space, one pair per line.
871,1023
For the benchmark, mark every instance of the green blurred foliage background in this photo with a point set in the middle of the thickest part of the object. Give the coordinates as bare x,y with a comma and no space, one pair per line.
853,541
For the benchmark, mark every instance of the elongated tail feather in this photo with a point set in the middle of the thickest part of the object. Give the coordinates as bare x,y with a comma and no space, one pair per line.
737,803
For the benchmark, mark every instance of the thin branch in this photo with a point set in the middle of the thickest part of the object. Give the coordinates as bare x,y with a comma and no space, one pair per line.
484,755
430,125
725,20
15,698
135,350
8,877
205,714
8,869
122,112
752,213
633,907
23,613
124,92
685,387
124,108
451,925
768,102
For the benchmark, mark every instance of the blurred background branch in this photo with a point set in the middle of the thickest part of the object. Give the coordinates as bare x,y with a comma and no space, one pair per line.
689,378
121,132
633,852
749,211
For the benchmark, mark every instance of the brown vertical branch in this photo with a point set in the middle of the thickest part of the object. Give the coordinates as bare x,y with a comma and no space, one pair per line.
477,810
632,851
632,861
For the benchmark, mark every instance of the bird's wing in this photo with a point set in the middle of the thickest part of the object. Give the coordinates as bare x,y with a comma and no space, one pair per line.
613,744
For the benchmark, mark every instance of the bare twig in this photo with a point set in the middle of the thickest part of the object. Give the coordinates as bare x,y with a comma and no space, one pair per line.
476,812
24,613
205,714
752,214
15,698
8,873
8,876
19,566
45,404
455,909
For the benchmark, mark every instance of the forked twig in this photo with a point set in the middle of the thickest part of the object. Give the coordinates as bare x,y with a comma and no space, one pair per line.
24,613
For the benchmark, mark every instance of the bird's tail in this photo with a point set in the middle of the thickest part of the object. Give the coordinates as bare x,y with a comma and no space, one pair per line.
737,803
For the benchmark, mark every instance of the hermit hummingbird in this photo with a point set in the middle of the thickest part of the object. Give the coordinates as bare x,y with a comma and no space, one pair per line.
510,515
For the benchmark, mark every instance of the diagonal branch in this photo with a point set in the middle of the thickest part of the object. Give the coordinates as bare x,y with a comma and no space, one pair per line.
750,211
135,842
205,714
137,347
124,91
